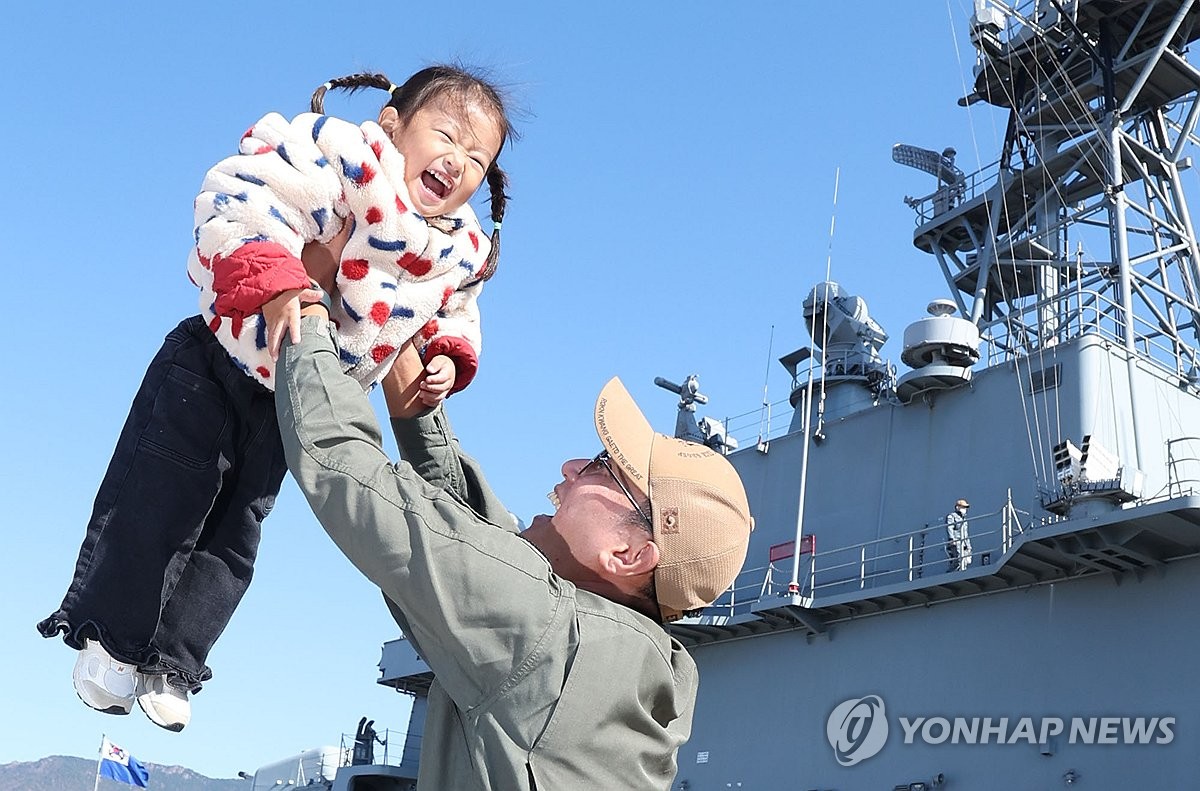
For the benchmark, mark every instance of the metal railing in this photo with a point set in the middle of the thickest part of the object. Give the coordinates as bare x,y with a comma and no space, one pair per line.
1183,466
390,753
1077,312
903,558
773,419
767,422
949,196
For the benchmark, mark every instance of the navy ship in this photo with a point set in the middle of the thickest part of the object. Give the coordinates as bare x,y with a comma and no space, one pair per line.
975,569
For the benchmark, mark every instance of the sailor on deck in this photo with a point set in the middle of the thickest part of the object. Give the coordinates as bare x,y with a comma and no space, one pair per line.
958,540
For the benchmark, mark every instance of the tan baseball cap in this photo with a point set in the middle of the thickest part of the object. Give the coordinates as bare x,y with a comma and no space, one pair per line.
962,504
700,515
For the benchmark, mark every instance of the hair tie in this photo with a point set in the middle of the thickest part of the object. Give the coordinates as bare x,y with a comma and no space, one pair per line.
392,88
328,86
495,226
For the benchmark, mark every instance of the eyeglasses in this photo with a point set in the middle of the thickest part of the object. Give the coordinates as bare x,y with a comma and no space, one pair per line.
602,460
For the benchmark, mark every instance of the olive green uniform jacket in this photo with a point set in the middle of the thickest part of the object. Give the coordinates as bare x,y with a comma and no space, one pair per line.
537,684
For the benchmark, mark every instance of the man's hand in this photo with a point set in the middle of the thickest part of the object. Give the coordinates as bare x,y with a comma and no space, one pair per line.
438,380
282,313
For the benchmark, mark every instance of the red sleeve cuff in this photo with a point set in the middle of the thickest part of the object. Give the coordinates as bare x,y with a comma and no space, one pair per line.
254,274
466,362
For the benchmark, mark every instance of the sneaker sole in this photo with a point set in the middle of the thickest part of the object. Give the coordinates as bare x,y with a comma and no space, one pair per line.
113,709
174,727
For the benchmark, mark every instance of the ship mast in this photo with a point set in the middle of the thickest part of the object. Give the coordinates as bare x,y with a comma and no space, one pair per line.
1101,106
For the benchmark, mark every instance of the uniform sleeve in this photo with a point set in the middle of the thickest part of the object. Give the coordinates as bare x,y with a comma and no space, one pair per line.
258,209
476,598
428,444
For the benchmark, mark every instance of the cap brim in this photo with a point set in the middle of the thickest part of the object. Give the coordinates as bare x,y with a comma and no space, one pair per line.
626,434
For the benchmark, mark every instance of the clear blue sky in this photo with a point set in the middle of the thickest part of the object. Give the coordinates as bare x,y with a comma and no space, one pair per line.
671,205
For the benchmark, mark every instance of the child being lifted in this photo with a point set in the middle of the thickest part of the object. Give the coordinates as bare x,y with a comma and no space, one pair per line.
170,547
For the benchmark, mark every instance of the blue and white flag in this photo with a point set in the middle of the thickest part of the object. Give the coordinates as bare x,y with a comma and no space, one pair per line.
116,764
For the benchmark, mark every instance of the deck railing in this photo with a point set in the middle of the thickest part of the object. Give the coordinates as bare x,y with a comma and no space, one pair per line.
948,196
391,752
1183,466
904,557
1078,312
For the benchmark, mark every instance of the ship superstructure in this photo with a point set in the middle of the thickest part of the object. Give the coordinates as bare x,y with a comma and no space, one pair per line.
1056,388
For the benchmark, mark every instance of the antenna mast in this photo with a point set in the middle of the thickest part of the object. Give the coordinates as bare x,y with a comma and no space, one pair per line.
1101,105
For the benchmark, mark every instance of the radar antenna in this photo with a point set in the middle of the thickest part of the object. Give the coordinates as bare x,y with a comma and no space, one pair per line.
951,181
940,165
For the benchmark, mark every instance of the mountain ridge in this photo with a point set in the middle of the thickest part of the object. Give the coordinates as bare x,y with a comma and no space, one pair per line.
69,773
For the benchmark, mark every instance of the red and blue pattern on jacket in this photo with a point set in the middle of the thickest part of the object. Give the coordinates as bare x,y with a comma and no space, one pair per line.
401,275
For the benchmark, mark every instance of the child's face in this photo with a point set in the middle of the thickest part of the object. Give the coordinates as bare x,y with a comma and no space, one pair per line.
447,149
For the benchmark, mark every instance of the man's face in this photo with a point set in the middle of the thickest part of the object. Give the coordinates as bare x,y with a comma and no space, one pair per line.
591,518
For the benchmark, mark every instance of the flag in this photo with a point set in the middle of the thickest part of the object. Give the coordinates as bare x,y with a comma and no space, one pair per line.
116,764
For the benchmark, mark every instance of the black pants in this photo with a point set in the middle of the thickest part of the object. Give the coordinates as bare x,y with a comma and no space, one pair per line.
174,532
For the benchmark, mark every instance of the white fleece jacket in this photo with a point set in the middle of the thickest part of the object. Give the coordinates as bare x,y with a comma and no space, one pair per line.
401,275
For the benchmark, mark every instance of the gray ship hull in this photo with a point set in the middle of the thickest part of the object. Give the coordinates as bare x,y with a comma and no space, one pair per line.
1106,646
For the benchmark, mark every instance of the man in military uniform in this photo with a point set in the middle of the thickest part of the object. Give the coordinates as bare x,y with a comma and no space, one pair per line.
958,540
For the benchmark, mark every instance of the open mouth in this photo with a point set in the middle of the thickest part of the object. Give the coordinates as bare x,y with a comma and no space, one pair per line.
436,183
553,498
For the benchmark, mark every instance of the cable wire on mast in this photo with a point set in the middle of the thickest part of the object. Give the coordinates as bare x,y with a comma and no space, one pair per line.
764,419
794,585
825,301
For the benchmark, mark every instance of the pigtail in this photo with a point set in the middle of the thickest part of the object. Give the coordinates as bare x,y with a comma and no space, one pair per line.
412,95
497,181
351,83
317,105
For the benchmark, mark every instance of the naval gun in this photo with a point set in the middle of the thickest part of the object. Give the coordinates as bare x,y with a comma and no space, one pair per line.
706,430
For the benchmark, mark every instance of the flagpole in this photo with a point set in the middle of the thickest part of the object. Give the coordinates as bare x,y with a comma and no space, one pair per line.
100,758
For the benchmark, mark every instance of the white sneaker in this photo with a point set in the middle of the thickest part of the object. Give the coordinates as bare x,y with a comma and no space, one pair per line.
165,705
101,681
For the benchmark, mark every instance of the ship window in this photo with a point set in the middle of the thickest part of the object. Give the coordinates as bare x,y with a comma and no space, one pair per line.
1045,379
